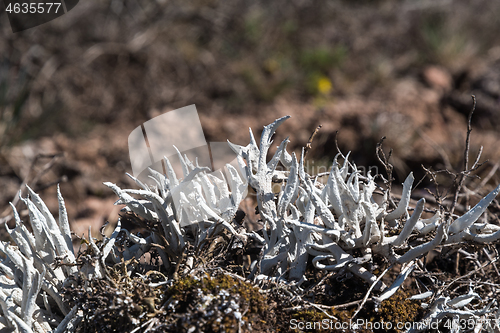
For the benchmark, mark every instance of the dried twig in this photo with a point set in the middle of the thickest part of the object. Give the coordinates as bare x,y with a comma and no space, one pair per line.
463,174
384,160
363,301
309,142
467,275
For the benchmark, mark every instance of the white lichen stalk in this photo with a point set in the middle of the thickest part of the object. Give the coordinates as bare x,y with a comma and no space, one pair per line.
30,283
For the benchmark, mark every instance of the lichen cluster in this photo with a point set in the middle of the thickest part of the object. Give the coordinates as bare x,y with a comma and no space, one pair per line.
185,271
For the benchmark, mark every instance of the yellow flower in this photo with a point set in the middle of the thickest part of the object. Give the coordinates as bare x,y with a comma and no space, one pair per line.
324,85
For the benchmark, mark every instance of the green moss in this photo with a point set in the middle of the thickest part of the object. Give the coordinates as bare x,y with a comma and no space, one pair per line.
203,299
182,286
248,292
309,315
398,309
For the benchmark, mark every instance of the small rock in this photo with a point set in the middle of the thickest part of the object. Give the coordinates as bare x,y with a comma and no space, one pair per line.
438,78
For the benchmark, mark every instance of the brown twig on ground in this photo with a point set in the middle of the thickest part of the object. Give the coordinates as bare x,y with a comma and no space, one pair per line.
437,196
462,175
309,142
369,291
467,275
337,142
481,184
338,152
328,307
319,283
384,160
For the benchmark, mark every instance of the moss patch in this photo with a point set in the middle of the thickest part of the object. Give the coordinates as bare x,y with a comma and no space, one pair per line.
217,303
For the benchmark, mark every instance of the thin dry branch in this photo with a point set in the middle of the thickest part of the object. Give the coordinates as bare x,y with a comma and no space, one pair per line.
463,174
384,160
309,142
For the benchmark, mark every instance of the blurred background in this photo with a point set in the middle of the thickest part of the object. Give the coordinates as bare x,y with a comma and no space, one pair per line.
73,89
